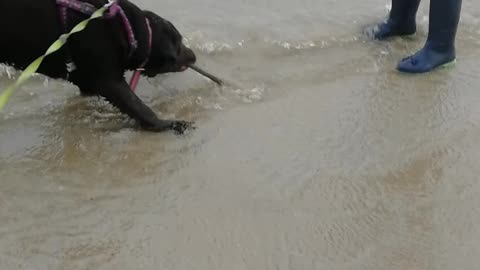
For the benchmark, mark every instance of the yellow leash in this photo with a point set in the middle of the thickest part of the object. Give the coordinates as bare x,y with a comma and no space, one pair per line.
57,45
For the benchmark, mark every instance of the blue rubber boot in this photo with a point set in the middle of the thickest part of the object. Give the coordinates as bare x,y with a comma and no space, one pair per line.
439,50
400,22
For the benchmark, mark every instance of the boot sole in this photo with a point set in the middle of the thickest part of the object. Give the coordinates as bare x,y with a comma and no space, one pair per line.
409,36
402,36
447,65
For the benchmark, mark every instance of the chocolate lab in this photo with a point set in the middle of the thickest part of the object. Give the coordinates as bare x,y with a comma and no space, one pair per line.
101,53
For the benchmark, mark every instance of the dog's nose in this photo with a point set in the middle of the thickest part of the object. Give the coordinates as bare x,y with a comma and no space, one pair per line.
190,56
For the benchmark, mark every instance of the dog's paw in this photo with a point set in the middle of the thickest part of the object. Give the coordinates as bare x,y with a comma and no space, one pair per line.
179,127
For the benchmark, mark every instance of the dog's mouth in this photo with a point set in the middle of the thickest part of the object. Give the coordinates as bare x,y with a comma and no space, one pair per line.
183,65
186,59
183,61
172,69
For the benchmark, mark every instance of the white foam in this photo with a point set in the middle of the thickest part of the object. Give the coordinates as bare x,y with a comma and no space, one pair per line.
250,95
7,70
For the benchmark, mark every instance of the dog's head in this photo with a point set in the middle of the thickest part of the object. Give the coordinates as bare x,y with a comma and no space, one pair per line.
168,53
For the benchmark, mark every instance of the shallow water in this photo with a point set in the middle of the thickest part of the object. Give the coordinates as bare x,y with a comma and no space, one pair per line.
317,155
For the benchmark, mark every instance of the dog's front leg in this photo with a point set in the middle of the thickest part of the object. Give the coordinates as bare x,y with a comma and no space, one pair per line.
118,93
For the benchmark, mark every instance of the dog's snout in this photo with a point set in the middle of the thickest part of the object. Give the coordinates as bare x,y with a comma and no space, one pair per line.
185,58
190,56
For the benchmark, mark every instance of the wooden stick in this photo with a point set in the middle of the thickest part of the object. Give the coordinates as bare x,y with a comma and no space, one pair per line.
206,74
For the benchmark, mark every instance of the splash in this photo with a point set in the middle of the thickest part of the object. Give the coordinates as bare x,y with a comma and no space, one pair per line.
250,95
7,70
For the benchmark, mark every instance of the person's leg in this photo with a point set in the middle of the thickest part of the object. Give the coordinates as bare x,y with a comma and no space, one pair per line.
401,21
440,46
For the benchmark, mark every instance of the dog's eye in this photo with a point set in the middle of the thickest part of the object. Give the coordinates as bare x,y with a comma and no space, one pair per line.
171,59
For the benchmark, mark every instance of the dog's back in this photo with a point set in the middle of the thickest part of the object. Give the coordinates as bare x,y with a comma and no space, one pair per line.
27,29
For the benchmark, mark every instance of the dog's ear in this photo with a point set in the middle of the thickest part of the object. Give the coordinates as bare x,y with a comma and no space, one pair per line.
164,35
168,53
165,45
